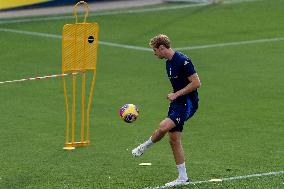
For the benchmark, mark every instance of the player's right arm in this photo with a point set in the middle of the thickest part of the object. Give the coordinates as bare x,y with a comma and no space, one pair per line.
194,83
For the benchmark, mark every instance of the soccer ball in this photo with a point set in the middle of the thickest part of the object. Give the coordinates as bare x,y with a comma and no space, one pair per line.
129,113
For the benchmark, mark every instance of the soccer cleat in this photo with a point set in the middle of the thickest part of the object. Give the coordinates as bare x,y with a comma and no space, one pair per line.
177,182
139,150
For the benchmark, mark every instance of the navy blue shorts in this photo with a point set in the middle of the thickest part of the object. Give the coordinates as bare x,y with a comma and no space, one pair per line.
179,113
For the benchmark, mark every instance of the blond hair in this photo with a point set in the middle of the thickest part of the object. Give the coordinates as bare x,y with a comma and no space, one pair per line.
160,39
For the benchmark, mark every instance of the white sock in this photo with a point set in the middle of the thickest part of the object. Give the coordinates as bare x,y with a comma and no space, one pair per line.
148,143
182,171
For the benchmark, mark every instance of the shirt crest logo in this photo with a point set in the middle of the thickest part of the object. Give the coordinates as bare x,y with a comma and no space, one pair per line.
178,120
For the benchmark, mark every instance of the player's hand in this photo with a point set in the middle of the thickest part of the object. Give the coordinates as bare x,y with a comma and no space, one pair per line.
172,96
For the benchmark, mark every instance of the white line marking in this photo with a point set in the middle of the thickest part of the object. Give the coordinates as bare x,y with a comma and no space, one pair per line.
60,37
125,46
103,13
228,178
40,77
232,43
31,33
121,12
217,45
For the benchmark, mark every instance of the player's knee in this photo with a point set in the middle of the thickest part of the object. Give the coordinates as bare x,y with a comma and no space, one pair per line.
162,128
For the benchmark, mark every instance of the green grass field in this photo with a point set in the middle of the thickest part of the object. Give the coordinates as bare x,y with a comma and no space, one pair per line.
237,131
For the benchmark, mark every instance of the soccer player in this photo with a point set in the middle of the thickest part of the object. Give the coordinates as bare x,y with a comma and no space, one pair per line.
183,103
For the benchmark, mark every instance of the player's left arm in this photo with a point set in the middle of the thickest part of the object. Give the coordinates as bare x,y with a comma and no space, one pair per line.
194,83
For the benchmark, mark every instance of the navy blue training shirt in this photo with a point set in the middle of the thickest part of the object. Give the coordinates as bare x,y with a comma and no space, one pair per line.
179,68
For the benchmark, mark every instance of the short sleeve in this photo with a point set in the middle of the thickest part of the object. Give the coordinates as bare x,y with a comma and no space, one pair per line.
188,68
